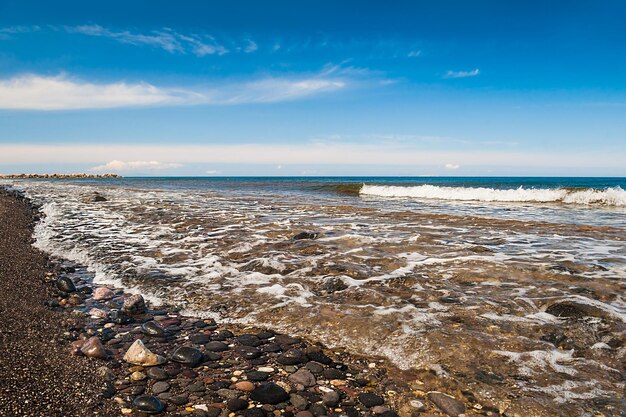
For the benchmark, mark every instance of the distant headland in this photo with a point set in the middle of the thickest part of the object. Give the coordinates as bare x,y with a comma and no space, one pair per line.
60,176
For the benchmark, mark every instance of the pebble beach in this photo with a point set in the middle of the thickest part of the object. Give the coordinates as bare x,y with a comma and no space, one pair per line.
72,348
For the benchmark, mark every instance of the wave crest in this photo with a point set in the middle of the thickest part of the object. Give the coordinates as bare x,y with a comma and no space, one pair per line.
615,196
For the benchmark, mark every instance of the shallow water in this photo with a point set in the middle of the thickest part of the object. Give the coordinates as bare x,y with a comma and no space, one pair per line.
461,287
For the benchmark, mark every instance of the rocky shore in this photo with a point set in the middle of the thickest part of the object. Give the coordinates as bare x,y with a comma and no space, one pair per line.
57,176
75,348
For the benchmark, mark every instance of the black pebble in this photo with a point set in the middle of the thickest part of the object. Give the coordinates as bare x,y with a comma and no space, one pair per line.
66,285
269,393
187,355
148,404
371,400
237,404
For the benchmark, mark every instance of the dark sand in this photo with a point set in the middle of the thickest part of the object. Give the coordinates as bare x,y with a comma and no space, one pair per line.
38,376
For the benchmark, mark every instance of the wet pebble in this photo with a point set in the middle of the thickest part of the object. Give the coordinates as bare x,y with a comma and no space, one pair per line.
187,356
237,404
303,377
330,398
160,387
216,346
157,374
134,305
93,348
66,285
148,404
269,393
103,293
292,357
152,328
257,375
371,400
449,405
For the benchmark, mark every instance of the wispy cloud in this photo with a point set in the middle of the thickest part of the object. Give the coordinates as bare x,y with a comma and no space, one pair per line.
166,39
414,54
121,166
462,74
8,31
452,166
33,92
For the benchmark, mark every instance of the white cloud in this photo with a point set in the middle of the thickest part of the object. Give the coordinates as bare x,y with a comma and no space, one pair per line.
119,166
414,54
452,166
462,74
166,39
212,172
33,92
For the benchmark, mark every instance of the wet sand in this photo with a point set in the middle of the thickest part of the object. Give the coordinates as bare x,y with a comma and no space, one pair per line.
37,376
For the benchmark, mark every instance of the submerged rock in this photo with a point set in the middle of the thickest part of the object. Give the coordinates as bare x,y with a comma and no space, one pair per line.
97,197
305,235
134,305
269,393
449,405
371,400
103,293
574,309
139,354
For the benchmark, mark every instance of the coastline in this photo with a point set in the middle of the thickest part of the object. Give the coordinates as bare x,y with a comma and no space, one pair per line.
237,365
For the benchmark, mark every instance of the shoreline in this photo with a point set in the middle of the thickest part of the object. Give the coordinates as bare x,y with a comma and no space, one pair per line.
234,366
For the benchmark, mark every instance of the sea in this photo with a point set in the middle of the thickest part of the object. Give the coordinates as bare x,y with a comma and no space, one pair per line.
513,286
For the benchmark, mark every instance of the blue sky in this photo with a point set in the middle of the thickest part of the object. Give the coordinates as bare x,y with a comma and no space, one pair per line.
314,87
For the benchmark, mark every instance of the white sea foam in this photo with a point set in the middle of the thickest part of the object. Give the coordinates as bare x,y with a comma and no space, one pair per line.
609,197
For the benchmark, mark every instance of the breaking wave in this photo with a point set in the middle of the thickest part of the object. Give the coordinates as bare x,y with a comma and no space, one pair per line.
615,196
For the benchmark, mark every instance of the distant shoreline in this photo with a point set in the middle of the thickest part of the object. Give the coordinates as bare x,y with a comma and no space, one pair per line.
60,176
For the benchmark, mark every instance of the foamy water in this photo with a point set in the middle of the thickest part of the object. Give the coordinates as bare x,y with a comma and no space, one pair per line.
423,288
609,197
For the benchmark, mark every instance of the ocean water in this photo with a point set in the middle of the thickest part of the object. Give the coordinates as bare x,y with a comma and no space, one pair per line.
461,275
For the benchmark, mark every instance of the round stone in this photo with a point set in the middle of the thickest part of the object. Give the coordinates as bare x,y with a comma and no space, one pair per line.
330,398
138,376
269,393
237,404
152,328
187,356
257,375
216,346
244,386
249,340
66,285
148,404
249,352
103,293
160,387
303,377
157,374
